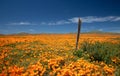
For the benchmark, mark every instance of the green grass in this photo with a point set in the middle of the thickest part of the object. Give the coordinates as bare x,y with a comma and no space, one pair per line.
100,51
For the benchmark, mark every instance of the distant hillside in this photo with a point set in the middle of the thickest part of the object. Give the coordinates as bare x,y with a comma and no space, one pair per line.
100,32
90,32
96,31
1,34
21,33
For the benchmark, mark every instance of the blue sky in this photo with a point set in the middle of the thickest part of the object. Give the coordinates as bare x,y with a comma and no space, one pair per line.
59,16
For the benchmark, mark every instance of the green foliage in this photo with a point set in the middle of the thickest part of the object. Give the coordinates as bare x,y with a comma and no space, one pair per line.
100,51
78,53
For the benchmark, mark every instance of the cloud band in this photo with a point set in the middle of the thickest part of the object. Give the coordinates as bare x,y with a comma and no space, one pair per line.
87,19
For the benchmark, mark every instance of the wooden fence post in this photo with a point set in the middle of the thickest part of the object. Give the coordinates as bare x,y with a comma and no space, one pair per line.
78,33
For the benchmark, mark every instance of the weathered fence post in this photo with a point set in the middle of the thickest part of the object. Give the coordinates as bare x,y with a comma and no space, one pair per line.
78,33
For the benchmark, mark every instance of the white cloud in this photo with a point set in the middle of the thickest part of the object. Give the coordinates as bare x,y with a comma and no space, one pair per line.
43,23
91,19
100,29
32,30
117,19
51,23
21,23
86,19
74,20
61,22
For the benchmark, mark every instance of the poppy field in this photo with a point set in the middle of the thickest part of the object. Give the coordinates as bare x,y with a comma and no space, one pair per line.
55,55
